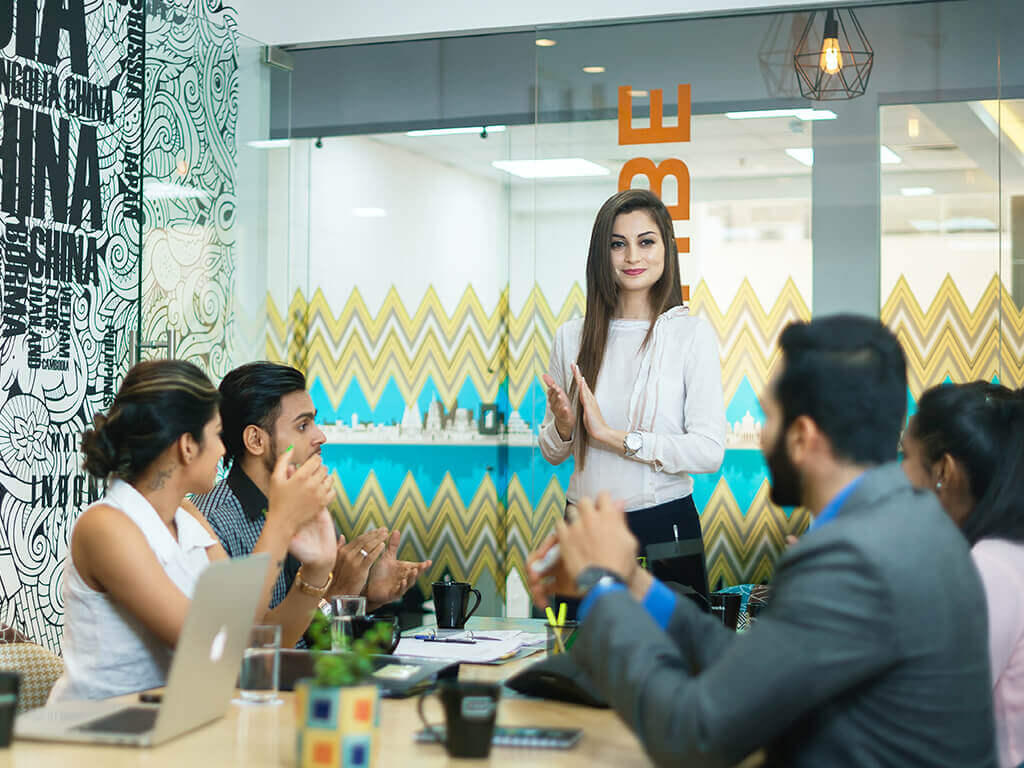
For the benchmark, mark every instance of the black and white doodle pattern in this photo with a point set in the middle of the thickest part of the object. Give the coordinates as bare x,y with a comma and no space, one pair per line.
69,319
191,118
70,151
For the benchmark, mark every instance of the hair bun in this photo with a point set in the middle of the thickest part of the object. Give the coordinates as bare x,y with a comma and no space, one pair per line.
98,449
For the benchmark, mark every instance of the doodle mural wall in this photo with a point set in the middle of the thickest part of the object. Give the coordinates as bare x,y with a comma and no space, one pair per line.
189,164
117,153
72,86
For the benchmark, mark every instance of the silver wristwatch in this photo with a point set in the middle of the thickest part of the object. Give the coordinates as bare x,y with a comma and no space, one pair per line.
632,442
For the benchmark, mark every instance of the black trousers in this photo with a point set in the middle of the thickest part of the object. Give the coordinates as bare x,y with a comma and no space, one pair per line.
654,525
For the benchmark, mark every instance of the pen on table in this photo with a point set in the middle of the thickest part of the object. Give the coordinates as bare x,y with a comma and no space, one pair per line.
429,639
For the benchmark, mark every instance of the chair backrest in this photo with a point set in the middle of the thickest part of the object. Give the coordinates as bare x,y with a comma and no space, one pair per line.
39,669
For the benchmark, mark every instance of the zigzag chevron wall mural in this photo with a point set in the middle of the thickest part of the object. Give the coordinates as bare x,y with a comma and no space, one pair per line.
949,340
479,509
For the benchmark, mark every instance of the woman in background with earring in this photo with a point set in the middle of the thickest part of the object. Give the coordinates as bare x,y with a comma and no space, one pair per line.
966,443
634,387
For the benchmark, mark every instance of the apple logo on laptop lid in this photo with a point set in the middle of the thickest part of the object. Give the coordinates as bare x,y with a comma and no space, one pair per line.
220,640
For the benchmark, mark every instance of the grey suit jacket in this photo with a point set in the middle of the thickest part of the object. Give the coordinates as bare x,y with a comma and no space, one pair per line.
872,652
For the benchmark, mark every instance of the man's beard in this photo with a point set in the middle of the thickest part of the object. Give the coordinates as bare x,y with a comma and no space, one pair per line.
785,480
270,457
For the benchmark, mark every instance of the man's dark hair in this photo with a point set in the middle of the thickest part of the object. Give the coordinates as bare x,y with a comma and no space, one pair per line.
849,375
251,394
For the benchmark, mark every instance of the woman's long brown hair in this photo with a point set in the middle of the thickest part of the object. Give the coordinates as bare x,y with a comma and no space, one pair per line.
603,291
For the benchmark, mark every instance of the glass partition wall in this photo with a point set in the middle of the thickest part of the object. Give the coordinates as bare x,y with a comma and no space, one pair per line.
435,248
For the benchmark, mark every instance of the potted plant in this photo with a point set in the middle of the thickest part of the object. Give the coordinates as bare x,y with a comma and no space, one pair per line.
338,710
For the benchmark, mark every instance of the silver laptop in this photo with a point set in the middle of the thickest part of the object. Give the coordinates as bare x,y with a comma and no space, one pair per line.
201,680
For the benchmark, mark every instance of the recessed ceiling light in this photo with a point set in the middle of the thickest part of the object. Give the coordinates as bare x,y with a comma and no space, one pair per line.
888,157
638,94
554,168
545,42
269,143
804,155
593,70
800,114
913,127
369,213
452,131
916,191
959,223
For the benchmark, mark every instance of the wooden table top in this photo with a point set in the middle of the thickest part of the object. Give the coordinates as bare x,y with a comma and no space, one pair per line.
265,735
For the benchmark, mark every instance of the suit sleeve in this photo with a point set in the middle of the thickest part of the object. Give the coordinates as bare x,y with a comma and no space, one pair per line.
712,706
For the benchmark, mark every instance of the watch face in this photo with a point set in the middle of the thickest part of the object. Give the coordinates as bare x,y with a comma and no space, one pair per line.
634,441
588,577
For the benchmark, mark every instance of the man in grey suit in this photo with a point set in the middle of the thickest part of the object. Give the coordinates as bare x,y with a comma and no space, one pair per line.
873,650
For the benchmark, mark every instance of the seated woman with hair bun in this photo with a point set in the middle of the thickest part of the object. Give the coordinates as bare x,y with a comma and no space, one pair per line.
136,554
966,445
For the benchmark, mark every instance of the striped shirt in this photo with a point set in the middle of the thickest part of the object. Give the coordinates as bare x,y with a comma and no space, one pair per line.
236,509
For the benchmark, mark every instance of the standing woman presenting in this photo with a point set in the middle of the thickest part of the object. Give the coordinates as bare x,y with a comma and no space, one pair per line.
635,386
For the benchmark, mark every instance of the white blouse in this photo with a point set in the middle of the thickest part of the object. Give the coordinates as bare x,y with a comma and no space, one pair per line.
671,392
107,651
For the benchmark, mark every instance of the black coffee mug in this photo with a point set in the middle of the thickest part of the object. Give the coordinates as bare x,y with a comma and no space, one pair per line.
451,600
361,625
470,709
9,684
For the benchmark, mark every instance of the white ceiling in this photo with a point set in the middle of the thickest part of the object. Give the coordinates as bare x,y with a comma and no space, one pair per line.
349,21
745,160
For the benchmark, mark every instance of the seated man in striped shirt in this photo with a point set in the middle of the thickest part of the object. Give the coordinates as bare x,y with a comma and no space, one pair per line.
266,411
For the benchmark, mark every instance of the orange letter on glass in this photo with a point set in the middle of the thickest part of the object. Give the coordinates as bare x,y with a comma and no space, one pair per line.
644,166
657,133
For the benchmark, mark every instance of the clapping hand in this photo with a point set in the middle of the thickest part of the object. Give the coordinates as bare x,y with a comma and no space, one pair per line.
354,559
390,577
561,408
313,544
597,427
297,496
598,536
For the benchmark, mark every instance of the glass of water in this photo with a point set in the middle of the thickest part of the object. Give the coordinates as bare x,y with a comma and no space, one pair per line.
343,609
260,664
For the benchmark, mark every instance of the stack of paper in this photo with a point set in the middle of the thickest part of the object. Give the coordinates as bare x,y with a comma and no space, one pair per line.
481,646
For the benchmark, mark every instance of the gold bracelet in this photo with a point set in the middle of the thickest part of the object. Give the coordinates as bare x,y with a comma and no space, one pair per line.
309,589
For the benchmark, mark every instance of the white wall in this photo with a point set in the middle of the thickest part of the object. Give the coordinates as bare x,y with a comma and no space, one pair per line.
313,21
443,227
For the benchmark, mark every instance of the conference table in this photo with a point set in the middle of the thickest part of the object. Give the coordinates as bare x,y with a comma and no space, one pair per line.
252,736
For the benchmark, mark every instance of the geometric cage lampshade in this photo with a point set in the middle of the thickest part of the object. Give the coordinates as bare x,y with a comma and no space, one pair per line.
833,60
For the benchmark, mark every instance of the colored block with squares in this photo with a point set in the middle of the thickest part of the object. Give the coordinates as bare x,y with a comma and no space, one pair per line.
336,726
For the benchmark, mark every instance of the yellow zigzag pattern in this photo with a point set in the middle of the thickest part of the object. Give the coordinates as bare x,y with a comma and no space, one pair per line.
470,342
747,333
950,340
493,534
742,546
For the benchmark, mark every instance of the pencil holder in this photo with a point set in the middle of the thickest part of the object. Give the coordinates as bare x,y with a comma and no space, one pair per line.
561,639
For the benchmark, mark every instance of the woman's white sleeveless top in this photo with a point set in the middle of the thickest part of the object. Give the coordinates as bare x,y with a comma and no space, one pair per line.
107,651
